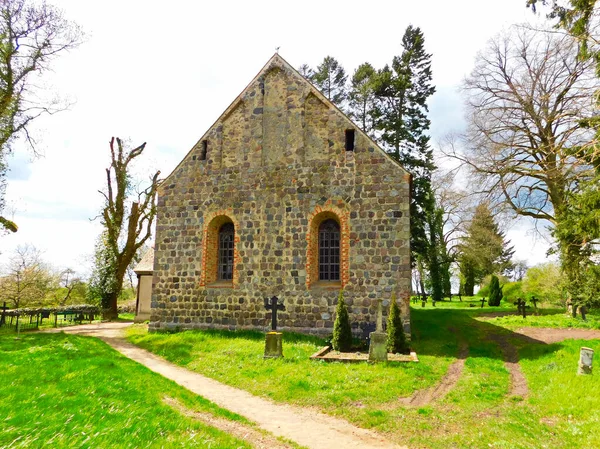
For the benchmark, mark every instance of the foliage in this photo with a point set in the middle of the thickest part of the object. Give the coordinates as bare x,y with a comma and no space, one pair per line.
126,230
483,250
342,333
495,292
545,282
32,36
26,280
402,91
511,291
396,340
362,99
68,391
330,77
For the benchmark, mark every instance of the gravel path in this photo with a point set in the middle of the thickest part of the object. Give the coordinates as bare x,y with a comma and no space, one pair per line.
304,426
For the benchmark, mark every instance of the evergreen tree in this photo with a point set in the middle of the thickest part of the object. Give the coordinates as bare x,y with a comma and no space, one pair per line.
495,292
396,340
306,71
362,97
484,250
401,116
330,78
342,334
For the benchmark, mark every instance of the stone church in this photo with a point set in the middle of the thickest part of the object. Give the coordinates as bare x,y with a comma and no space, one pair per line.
284,195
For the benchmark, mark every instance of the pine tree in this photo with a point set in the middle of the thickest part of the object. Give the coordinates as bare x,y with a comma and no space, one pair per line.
361,99
402,91
484,250
396,340
330,78
495,292
342,334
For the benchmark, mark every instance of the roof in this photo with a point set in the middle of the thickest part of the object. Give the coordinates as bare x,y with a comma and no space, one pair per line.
277,60
146,264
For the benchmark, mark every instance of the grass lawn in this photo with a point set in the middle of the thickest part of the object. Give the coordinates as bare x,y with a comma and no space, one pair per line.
65,391
559,412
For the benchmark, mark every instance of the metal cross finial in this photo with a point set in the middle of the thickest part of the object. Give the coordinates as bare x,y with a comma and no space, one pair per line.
273,305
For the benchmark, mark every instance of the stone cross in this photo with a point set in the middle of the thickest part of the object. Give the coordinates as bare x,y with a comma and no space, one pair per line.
379,324
482,302
273,306
2,317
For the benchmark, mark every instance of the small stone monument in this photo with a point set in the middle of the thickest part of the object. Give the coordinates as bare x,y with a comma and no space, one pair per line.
586,357
378,343
273,339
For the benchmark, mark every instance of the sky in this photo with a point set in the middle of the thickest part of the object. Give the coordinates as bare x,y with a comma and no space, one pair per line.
163,72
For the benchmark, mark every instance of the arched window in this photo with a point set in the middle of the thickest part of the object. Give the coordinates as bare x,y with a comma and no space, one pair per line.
225,257
329,251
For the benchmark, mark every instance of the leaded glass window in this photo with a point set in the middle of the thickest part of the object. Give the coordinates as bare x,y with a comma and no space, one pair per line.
329,251
225,262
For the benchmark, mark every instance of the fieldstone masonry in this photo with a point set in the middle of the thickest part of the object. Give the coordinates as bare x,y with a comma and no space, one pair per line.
275,166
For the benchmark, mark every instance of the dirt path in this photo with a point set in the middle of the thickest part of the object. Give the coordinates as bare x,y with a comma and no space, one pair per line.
423,397
258,439
518,383
304,426
552,335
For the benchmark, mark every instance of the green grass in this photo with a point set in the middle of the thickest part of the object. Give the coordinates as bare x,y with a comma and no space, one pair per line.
65,391
126,316
555,318
558,413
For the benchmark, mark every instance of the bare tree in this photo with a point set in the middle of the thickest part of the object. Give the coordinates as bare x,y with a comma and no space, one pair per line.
126,229
26,279
68,282
526,99
32,35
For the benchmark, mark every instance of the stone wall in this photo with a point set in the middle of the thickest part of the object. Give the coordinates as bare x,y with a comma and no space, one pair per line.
275,165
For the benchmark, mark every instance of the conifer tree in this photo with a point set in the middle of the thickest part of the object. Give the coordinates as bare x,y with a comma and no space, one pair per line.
361,98
495,292
483,250
342,334
396,340
330,78
401,116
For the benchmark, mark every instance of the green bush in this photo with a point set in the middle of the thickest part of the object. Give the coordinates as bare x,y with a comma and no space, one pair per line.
396,340
512,291
495,292
545,282
342,334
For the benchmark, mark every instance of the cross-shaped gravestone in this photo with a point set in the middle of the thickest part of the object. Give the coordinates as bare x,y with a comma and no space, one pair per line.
534,300
482,302
2,318
273,305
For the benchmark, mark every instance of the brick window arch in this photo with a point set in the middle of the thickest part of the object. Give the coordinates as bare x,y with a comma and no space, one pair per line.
219,251
328,248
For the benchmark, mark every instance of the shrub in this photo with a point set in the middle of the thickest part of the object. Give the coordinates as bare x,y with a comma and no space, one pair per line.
396,340
495,292
511,291
342,334
544,281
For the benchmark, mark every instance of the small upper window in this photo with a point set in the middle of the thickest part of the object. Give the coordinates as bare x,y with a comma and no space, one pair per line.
203,150
349,140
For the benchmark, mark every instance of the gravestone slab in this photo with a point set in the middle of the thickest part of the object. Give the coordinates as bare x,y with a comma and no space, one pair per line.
273,345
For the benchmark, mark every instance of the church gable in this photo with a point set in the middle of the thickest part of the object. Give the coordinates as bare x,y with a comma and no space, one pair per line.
279,119
283,196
